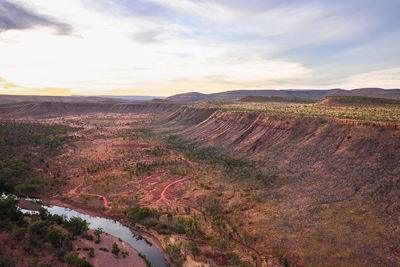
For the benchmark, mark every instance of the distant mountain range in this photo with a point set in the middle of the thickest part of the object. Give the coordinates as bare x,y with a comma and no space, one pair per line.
303,94
135,98
197,97
76,98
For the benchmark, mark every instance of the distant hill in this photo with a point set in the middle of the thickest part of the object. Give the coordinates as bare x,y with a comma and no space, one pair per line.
263,99
190,97
303,94
135,98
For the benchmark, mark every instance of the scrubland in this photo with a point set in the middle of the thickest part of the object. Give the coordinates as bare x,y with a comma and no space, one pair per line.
226,183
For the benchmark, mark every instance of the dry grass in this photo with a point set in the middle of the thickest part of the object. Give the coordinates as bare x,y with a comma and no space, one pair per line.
356,111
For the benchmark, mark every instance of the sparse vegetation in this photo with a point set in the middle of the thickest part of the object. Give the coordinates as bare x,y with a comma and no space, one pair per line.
276,172
343,107
24,147
115,249
76,225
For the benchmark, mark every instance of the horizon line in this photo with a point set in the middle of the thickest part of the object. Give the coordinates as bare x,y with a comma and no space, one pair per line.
165,96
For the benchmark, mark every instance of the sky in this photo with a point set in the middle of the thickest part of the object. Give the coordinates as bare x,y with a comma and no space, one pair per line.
165,47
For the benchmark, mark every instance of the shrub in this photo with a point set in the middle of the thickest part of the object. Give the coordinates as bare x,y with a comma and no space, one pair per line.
58,219
76,225
180,228
235,260
19,233
115,249
43,213
88,237
73,259
149,264
138,214
8,209
91,252
55,237
39,227
192,247
98,233
174,250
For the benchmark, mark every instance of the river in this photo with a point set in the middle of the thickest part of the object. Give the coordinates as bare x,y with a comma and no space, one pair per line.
152,253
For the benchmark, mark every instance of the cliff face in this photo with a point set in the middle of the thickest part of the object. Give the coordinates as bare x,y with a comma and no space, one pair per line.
163,108
327,161
304,94
187,116
61,108
357,155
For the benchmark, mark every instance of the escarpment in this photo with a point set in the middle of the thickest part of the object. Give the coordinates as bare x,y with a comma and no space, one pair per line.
328,178
66,108
336,159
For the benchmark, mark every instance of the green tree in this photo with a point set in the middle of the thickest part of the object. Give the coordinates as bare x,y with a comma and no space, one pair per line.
43,213
174,250
19,233
8,209
39,228
98,233
138,214
77,225
115,249
55,237
72,259
169,217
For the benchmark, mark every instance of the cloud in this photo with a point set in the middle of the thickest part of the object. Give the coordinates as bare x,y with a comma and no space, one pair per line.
18,17
386,78
150,36
171,46
52,91
204,9
16,89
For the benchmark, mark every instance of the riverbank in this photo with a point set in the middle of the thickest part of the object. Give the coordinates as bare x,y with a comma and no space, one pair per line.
103,256
146,243
148,236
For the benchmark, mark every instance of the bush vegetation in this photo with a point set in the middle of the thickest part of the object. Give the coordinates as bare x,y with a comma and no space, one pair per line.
235,168
24,148
41,228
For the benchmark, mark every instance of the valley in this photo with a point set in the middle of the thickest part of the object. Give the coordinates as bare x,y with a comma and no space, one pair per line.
231,183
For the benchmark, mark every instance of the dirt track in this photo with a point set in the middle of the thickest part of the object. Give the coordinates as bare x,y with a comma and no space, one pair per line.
165,199
75,189
161,197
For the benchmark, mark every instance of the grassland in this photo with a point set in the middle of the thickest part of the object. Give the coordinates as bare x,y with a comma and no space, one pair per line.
356,108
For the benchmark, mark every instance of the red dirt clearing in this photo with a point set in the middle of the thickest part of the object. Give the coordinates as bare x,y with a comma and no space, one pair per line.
162,196
75,189
132,146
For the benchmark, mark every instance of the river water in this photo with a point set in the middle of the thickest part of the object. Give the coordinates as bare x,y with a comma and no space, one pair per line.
152,253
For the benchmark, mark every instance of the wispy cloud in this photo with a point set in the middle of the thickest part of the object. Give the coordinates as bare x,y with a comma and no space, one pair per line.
150,36
17,17
386,78
169,46
15,89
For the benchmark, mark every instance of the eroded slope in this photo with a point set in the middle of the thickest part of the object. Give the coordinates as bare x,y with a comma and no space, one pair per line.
337,184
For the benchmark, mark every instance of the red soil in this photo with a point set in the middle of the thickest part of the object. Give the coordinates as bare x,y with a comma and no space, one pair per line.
132,146
75,189
162,196
100,196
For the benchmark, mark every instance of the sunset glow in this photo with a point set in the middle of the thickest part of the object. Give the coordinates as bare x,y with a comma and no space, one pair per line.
154,47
